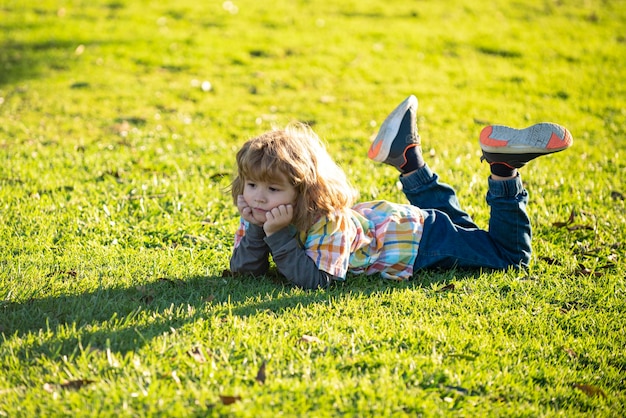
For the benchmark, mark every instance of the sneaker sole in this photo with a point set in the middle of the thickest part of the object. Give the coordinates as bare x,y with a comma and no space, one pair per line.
379,150
542,138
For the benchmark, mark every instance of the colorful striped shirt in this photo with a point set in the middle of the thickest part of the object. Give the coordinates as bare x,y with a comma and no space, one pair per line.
374,237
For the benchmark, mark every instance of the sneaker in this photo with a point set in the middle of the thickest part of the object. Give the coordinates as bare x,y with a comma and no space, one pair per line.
515,147
397,134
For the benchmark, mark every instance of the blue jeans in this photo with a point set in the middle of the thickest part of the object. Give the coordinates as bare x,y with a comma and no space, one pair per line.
452,239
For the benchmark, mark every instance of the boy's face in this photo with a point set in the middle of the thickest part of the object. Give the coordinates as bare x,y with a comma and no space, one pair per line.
262,196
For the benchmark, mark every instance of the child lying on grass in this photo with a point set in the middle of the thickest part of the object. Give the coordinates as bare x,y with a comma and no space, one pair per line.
297,206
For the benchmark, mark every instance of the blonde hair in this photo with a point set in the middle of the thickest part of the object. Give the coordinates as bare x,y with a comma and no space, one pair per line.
298,154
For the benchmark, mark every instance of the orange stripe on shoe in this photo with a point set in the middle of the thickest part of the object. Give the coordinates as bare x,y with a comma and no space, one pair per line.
558,142
485,138
374,149
404,154
503,163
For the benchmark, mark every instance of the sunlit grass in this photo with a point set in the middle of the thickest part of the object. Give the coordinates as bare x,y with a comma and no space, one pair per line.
118,127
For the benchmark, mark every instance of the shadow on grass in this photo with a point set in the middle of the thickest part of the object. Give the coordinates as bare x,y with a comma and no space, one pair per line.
124,319
26,60
42,39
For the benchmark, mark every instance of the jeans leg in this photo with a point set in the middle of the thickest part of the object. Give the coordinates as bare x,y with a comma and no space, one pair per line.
506,244
509,224
424,190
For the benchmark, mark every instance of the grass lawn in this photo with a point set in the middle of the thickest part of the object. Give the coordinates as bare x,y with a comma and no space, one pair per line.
119,121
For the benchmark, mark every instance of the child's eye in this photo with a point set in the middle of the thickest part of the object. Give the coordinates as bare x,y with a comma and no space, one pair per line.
251,185
274,189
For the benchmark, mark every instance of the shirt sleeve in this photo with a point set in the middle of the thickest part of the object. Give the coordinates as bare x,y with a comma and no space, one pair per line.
294,263
251,253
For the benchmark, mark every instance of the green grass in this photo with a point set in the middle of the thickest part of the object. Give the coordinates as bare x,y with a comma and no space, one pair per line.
116,222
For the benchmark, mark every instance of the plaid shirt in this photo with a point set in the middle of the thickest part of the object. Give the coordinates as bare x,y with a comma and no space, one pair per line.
374,237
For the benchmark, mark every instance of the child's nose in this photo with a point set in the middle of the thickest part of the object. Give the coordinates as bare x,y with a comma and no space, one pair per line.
260,197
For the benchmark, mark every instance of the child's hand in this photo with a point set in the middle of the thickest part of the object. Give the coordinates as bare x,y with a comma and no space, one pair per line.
277,219
246,211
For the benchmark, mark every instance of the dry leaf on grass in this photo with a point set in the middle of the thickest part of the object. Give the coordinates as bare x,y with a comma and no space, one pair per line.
446,288
570,352
218,176
584,271
571,218
568,223
617,195
551,261
260,376
68,385
590,390
228,400
197,354
309,339
69,273
76,384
